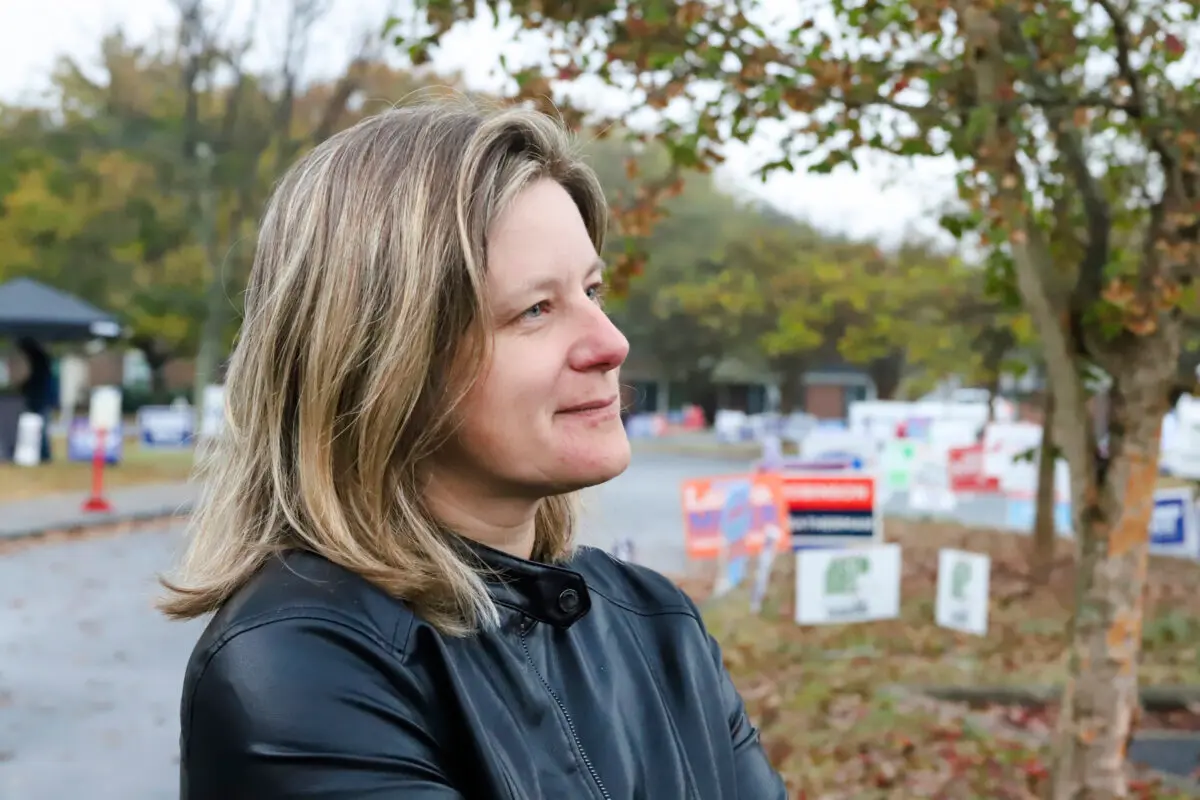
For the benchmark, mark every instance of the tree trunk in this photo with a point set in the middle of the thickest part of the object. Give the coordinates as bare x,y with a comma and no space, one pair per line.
1041,555
1112,496
886,373
1112,517
158,376
995,344
156,356
791,393
209,355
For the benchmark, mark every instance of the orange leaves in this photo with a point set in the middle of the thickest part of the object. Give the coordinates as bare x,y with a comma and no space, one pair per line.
1119,293
689,13
632,170
1139,308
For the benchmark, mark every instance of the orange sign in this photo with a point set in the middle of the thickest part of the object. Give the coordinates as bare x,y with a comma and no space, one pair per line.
706,502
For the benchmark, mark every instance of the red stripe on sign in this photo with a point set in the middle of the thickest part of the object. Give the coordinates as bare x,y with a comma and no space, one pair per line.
827,494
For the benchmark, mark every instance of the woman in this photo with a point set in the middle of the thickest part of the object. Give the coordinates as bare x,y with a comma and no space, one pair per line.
424,378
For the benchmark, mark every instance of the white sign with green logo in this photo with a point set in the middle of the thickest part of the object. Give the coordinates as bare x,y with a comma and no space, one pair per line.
962,591
857,584
896,463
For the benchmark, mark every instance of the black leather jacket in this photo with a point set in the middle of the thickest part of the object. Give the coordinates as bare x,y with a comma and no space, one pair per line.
601,683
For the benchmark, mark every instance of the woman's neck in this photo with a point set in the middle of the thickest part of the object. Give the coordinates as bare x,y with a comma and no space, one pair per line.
502,523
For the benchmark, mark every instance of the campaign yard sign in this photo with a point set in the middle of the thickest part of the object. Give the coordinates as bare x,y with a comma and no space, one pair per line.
832,508
965,466
1020,513
857,584
1173,527
713,510
166,426
82,439
766,559
737,518
962,591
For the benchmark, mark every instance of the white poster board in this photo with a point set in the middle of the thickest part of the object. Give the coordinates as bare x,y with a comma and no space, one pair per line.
1181,439
848,585
823,444
28,449
212,421
929,481
962,591
104,410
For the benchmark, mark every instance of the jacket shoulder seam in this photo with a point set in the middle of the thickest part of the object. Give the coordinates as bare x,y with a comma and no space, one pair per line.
682,608
262,620
665,611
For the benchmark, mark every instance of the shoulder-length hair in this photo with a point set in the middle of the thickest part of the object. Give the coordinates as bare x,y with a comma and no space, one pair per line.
365,324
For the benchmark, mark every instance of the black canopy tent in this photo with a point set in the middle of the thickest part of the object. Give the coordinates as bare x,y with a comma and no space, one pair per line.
37,311
29,308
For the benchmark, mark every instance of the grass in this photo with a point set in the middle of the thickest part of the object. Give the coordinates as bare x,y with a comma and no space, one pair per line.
139,466
830,700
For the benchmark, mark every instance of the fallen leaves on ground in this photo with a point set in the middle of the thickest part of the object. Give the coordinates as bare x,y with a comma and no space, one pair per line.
838,708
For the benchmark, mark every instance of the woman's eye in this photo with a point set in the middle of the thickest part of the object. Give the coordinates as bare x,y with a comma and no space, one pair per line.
596,292
535,311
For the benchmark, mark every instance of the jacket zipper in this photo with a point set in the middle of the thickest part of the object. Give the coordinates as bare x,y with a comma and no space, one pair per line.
587,762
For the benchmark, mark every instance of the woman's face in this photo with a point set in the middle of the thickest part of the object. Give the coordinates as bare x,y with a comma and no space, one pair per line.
544,417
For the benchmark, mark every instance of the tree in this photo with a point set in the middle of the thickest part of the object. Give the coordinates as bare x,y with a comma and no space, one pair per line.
697,223
1075,127
776,290
923,313
92,220
102,194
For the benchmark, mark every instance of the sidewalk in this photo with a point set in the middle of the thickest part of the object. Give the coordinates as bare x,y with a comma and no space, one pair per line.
65,511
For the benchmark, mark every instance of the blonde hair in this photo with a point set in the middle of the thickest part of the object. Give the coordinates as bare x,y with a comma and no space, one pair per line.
365,325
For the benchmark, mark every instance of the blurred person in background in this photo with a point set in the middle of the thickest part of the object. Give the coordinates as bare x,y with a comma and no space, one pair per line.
424,379
38,387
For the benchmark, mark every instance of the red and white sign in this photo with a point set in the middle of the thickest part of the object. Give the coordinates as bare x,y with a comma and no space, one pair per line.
967,471
832,508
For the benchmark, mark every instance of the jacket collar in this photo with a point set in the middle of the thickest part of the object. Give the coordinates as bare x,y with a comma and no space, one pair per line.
554,595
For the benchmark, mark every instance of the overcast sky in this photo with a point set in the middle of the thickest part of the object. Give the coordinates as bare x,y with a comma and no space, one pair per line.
882,201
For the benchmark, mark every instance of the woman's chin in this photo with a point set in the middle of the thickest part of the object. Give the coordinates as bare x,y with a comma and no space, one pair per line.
600,464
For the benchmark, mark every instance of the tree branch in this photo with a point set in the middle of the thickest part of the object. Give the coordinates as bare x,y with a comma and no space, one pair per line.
1032,259
1138,107
1070,143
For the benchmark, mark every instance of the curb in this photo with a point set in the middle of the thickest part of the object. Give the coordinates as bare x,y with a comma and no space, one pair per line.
96,524
1153,698
714,451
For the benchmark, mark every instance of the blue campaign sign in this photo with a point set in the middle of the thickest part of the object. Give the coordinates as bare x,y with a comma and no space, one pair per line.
81,443
737,518
1020,513
166,426
1167,527
737,514
1173,527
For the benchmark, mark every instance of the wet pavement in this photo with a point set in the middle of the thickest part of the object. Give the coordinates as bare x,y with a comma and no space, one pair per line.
90,673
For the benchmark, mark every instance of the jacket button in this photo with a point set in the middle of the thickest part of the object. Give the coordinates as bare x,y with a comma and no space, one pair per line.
568,601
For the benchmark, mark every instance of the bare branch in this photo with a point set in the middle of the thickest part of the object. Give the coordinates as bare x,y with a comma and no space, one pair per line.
233,100
304,15
369,51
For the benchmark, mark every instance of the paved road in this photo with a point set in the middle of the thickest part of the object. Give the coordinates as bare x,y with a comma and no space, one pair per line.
89,673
